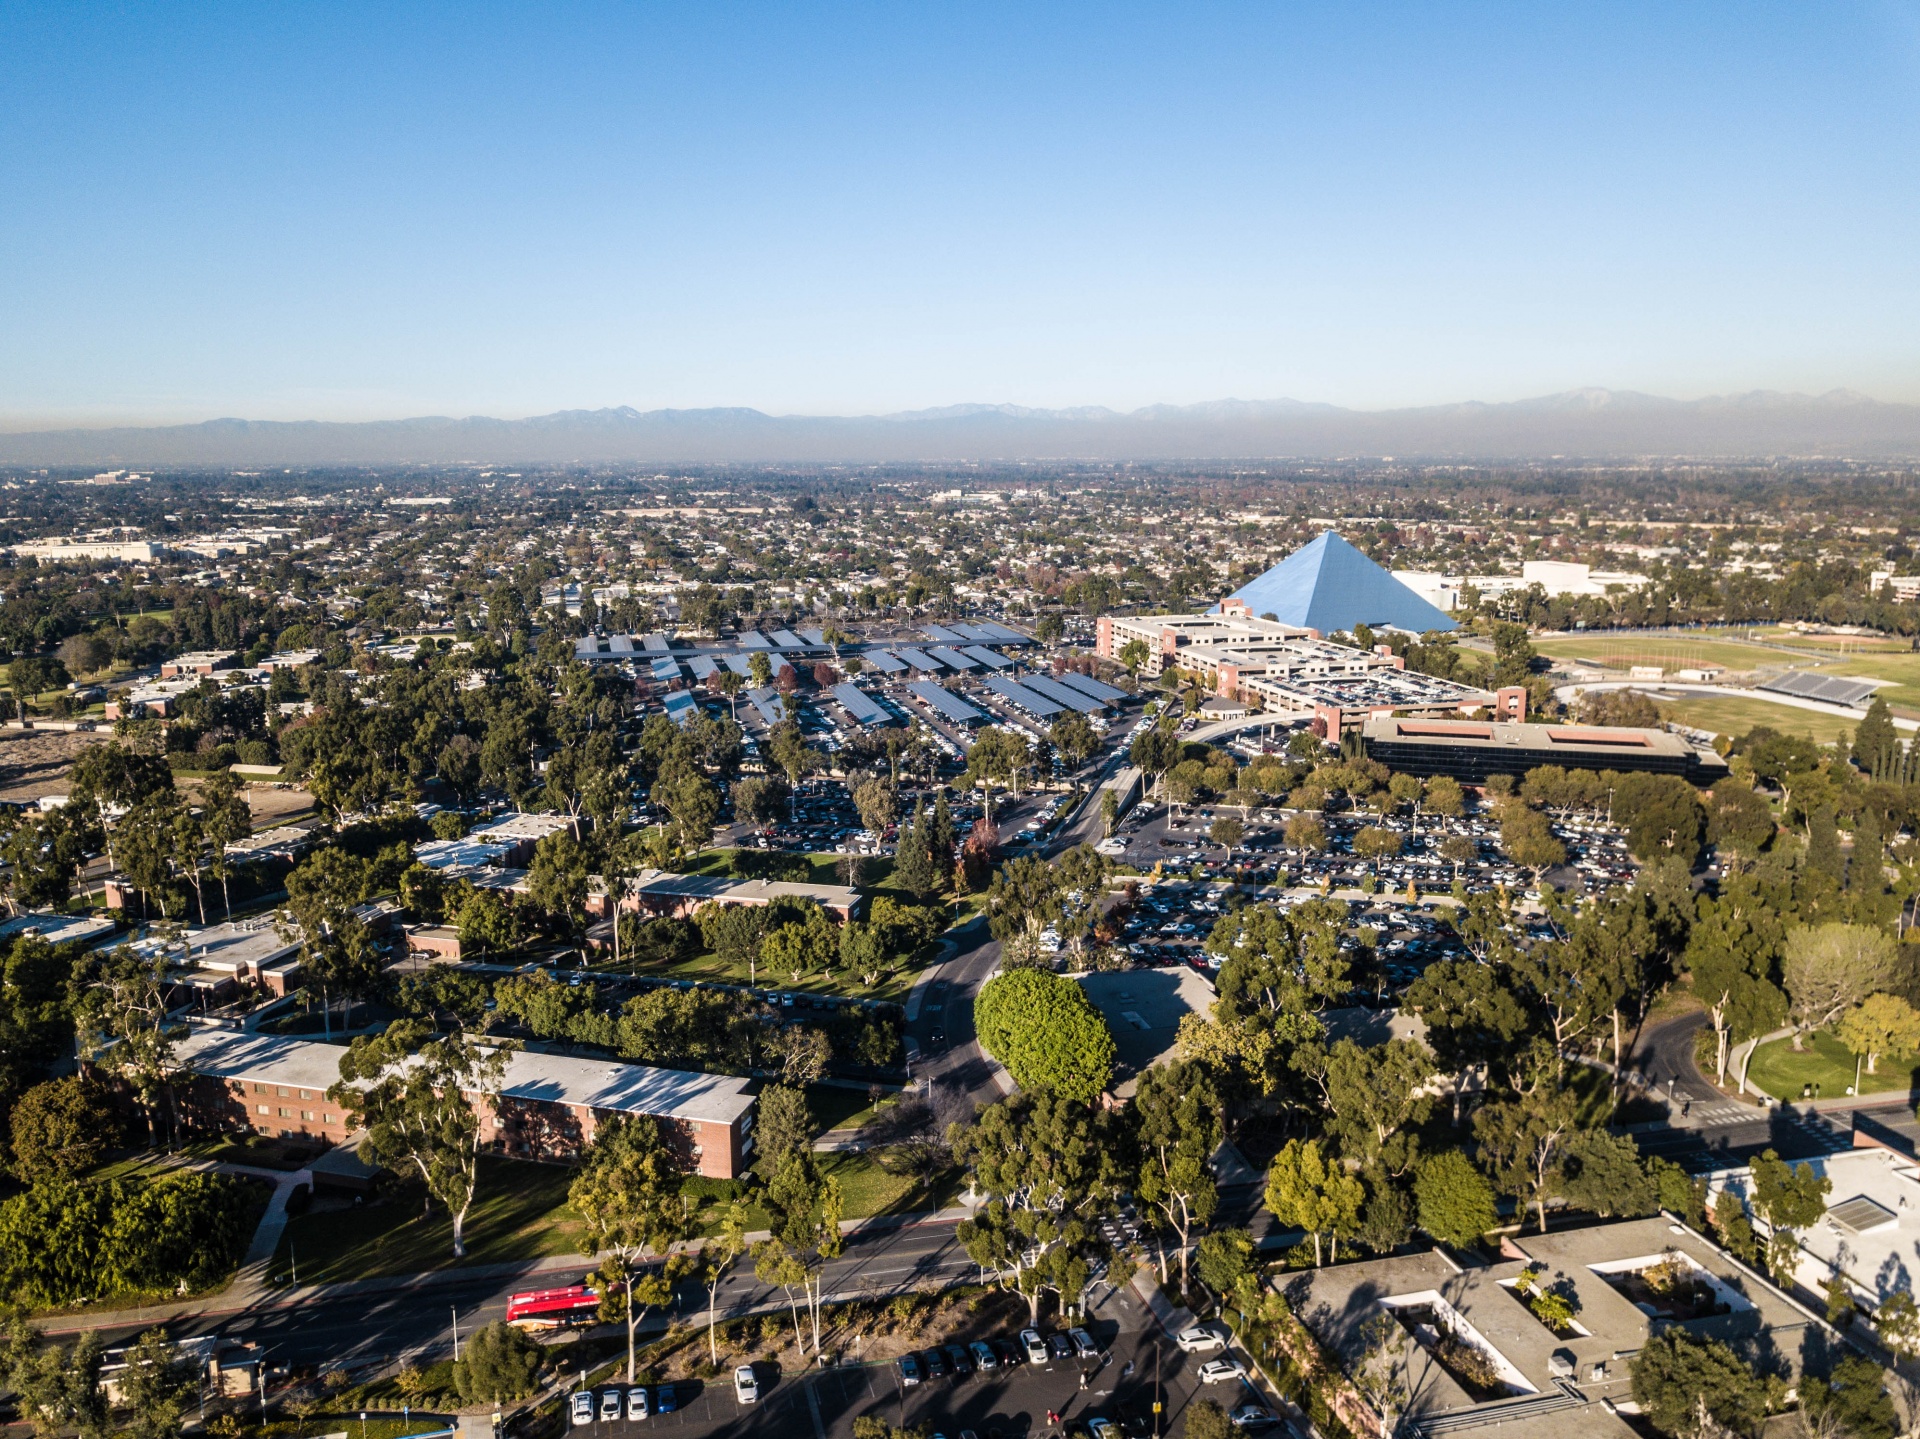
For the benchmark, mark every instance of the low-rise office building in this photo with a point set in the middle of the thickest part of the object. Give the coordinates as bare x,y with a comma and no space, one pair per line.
548,1105
1473,752
678,896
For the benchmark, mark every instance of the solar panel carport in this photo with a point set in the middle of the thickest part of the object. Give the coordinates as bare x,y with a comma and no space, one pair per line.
1063,694
944,704
1032,701
860,705
884,662
987,657
953,659
920,660
1099,689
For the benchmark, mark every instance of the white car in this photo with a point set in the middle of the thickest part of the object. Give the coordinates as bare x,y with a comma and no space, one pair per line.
637,1402
1215,1370
746,1388
582,1408
1035,1346
1200,1339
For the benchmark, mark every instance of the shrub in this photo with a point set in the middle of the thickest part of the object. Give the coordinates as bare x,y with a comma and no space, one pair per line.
499,1363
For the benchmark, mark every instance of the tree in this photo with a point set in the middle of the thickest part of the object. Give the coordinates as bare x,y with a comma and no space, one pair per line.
1225,1258
1881,1024
1454,1200
1374,844
497,1365
409,1089
1176,1114
1529,840
1663,817
1850,1403
557,879
58,1389
128,1004
785,1124
1134,654
1372,1093
1876,746
60,1128
627,1193
1829,968
1677,1377
226,819
337,951
1731,950
1307,832
1304,1190
1227,832
1047,1033
1022,899
1521,1138
1074,738
1602,1172
1206,1419
716,1259
913,864
155,1386
1046,1165
1444,797
1155,750
1897,1322
877,802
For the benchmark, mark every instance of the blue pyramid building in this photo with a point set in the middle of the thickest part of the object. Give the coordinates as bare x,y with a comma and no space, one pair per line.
1329,585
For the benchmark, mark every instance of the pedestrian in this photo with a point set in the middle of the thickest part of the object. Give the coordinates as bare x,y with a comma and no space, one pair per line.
1686,1106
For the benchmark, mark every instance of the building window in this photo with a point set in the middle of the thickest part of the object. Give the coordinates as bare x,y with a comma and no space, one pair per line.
280,1091
263,1109
328,1120
305,1095
286,1113
307,1115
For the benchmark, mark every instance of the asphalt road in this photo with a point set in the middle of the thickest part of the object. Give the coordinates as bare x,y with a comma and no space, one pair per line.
361,1324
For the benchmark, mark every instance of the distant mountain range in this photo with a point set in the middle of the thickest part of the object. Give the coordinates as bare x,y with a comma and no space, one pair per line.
1590,424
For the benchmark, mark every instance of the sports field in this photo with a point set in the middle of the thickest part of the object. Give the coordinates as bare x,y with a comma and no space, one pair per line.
1837,644
1736,714
1670,652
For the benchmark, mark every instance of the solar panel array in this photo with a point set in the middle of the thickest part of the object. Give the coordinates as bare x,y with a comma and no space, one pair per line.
1000,634
1099,689
987,657
953,659
919,659
681,707
944,704
788,640
738,664
1063,694
816,638
860,705
665,670
884,662
702,666
1032,701
1830,689
942,636
771,704
656,643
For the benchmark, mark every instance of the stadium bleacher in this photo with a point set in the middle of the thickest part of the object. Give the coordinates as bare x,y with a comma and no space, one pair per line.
1828,689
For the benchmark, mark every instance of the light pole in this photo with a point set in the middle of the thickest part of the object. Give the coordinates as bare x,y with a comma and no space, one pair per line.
456,1333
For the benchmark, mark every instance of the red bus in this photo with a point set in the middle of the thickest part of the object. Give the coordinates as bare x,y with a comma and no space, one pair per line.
553,1308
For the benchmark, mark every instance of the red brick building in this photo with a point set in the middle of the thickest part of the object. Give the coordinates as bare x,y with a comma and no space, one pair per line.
548,1107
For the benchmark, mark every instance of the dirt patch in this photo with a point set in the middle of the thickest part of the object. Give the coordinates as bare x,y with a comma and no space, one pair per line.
37,762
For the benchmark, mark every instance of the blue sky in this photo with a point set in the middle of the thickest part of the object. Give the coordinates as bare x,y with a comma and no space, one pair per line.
347,211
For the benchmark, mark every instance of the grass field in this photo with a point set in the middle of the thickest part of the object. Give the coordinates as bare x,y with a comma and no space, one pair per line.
1838,644
521,1213
1781,1071
1736,714
1671,652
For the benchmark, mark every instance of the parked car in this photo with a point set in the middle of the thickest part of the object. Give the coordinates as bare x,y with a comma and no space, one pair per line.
1059,1346
909,1367
1215,1370
746,1388
637,1402
1011,1354
1083,1344
1200,1339
936,1364
1035,1346
611,1403
1254,1416
582,1408
984,1359
958,1359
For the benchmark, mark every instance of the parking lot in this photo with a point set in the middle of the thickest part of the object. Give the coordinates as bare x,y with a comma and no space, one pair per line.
1155,834
1134,1370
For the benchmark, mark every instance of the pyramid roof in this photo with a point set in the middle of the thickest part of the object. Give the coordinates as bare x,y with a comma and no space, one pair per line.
1329,585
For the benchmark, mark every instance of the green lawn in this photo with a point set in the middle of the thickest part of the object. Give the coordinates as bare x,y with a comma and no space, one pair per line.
521,1213
835,1106
1781,1070
1678,651
1735,714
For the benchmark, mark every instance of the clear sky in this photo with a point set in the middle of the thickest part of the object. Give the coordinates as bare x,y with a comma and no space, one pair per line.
356,211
